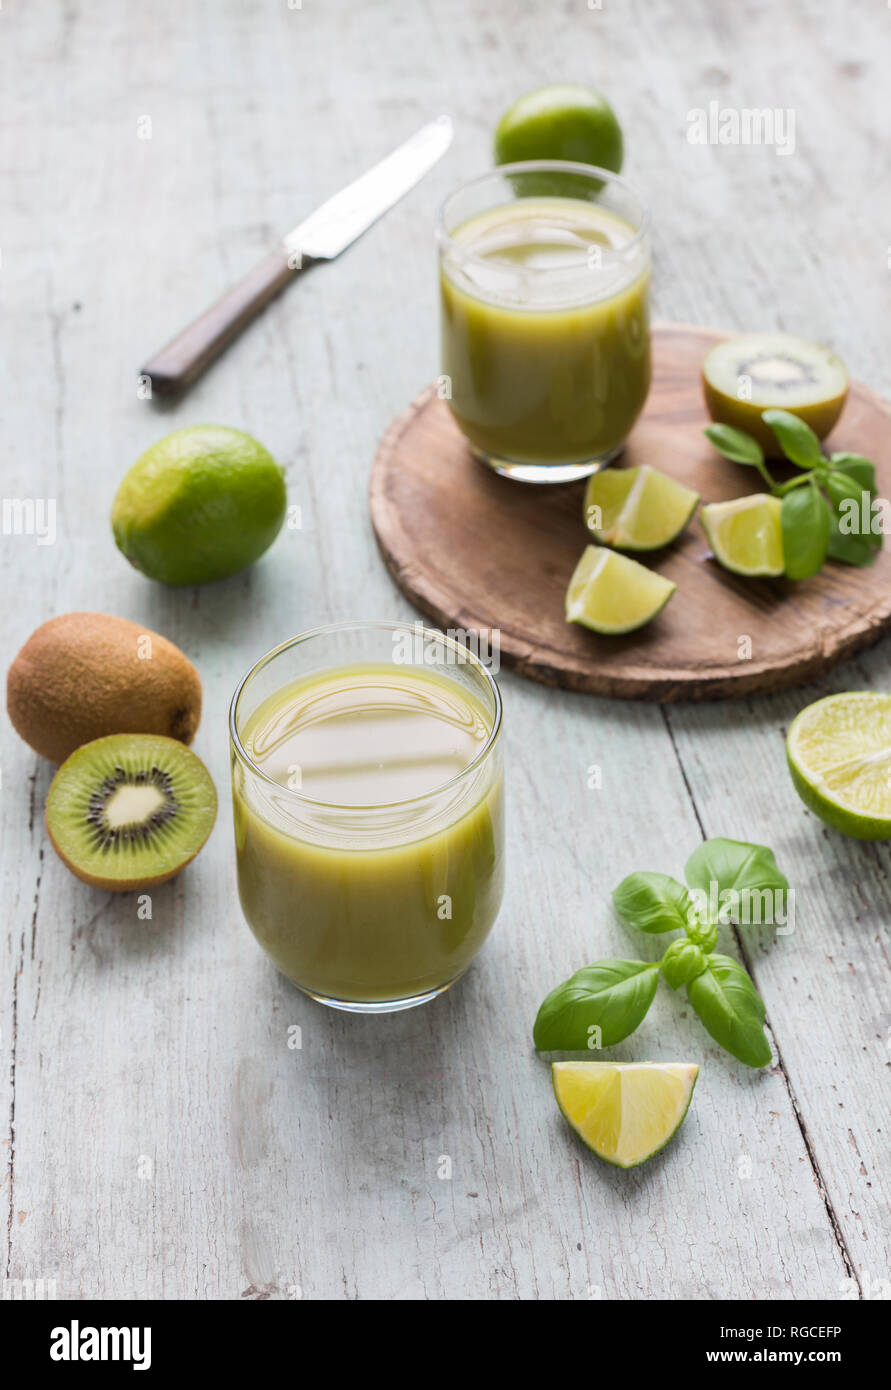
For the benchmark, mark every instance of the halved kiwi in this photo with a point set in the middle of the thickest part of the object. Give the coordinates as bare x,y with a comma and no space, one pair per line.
768,371
129,811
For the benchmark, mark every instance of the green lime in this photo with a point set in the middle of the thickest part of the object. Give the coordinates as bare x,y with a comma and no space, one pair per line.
611,594
625,1111
202,503
745,534
839,753
563,121
637,508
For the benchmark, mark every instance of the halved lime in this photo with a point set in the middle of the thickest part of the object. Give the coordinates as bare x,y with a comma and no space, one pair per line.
839,753
611,594
625,1111
745,534
637,508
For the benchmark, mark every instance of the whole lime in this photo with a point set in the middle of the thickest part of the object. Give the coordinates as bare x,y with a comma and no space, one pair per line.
563,121
202,503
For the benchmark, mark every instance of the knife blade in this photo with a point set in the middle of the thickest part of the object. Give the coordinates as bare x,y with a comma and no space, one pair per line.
337,223
321,236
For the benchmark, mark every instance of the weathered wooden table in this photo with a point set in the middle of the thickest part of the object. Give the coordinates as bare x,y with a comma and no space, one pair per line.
161,1138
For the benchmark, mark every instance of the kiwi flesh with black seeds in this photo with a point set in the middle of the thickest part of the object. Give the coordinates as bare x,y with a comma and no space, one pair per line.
745,375
130,810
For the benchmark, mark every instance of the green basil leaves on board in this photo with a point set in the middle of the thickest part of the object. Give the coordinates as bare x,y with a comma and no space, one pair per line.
739,447
828,510
804,518
603,1003
797,440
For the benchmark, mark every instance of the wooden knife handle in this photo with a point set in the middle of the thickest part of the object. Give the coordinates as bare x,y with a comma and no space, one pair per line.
183,360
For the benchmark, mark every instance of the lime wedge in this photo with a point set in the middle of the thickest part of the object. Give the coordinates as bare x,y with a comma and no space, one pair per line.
839,752
637,508
625,1111
745,534
610,593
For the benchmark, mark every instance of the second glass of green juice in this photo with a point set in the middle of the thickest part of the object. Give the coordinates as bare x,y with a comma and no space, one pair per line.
544,279
368,804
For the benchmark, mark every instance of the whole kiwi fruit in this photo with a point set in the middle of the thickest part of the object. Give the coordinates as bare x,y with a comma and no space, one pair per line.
83,676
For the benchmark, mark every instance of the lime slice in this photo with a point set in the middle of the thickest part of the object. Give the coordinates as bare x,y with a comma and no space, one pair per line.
637,508
839,752
745,534
625,1111
610,593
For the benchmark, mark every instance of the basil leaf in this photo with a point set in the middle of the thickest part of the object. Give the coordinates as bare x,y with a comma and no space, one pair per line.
852,506
797,440
805,525
612,995
733,880
732,1010
863,470
735,444
653,902
682,962
849,548
841,487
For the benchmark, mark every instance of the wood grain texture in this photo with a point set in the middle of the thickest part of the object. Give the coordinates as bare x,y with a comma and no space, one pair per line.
159,1137
479,552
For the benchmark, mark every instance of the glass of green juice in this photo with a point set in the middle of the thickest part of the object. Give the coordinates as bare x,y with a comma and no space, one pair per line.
544,277
369,811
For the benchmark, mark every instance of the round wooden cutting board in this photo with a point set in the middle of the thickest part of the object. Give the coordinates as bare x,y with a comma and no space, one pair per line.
476,551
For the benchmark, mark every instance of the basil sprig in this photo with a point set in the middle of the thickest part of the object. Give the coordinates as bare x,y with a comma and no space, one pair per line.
828,509
727,881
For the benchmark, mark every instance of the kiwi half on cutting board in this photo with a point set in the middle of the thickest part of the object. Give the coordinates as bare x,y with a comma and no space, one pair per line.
773,371
129,811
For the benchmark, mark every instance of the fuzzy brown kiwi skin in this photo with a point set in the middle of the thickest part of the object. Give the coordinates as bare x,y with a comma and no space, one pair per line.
117,885
80,677
742,415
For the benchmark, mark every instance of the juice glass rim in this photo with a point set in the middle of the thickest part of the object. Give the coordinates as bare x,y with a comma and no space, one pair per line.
467,657
544,166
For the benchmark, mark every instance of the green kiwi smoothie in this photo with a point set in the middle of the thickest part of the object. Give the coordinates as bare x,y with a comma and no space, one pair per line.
545,330
370,845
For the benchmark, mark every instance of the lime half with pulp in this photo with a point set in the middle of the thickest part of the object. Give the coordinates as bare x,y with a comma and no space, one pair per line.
839,753
625,1112
637,508
611,594
745,534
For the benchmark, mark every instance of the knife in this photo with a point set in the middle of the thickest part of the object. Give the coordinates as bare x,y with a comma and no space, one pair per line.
320,237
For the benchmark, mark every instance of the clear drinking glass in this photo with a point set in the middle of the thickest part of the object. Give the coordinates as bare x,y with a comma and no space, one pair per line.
366,898
544,278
